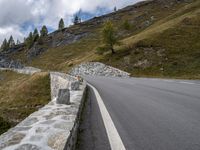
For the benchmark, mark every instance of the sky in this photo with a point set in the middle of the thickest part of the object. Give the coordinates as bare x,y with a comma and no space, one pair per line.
20,17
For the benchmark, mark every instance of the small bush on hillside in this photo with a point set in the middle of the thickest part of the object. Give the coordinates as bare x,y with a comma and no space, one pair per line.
126,25
101,49
4,126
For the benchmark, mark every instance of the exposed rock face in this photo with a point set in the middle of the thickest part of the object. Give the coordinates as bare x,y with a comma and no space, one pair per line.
98,69
63,97
66,37
35,51
9,63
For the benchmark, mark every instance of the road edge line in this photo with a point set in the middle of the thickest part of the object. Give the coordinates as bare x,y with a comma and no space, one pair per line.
113,135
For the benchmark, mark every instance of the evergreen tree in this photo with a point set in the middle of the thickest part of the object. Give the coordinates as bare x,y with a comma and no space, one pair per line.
35,35
30,40
30,37
4,45
61,24
115,9
76,19
18,42
109,36
11,42
44,31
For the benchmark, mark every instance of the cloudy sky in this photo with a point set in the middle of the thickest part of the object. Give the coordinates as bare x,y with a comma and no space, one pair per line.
19,17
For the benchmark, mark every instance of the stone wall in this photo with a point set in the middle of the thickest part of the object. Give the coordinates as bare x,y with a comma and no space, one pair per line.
53,127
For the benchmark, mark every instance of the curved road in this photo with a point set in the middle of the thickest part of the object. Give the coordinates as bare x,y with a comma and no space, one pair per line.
150,114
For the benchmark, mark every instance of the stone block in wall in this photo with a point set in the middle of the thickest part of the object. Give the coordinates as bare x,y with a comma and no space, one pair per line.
75,86
63,97
58,81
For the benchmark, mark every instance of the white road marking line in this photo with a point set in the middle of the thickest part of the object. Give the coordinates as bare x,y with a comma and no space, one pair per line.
113,135
187,82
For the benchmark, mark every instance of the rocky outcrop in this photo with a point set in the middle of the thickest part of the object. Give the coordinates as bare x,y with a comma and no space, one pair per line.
35,51
55,39
6,62
97,69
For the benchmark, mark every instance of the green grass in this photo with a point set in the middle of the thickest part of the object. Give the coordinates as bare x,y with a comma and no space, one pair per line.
21,95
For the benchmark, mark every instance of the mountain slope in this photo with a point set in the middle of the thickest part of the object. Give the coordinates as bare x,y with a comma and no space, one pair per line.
21,95
169,48
163,41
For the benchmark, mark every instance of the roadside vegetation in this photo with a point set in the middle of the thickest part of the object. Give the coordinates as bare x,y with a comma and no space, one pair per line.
21,95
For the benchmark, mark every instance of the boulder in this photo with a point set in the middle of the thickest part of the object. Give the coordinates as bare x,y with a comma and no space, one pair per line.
63,97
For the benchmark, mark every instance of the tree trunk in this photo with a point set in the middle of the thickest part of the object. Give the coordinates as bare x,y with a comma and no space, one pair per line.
113,51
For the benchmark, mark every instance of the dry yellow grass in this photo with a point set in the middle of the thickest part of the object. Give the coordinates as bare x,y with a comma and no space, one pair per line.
20,95
166,23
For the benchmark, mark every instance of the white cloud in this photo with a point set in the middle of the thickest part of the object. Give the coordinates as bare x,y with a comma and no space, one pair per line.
15,13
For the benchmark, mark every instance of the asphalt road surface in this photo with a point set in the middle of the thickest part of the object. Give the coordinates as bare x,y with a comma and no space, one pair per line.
149,114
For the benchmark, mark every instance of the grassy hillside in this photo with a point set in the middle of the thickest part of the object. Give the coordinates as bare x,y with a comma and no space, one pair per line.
21,95
162,41
169,48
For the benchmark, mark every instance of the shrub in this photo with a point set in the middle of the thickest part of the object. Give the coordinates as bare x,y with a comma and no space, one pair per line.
126,25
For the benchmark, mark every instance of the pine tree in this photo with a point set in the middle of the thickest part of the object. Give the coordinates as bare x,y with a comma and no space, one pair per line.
35,35
115,9
18,42
109,36
30,37
30,40
76,19
4,45
11,42
44,31
61,24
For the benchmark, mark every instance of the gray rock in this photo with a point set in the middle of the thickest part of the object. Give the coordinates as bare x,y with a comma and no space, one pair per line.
28,147
98,69
63,97
11,139
75,85
29,122
35,51
6,62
